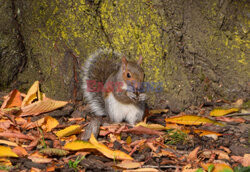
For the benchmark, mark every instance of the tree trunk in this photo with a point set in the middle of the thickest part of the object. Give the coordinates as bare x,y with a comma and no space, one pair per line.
197,49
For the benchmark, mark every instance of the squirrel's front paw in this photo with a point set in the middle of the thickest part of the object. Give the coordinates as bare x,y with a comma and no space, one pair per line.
142,97
131,95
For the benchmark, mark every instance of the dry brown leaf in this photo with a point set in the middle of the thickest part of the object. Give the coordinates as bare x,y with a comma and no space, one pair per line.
143,130
164,153
229,119
20,151
43,106
193,155
39,158
245,161
14,99
128,164
142,170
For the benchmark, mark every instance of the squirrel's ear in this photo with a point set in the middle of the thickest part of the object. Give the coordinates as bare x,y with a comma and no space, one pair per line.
124,62
140,60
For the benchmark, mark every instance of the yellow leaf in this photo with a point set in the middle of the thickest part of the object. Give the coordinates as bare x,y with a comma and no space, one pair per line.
191,120
151,126
73,129
218,167
79,145
39,107
6,152
32,94
154,111
116,154
5,162
49,123
222,112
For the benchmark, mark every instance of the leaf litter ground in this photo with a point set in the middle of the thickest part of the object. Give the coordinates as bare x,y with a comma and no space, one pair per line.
45,137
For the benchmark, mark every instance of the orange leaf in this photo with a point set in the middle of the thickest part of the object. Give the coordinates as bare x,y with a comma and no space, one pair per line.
39,107
218,167
191,120
116,154
49,123
193,155
14,99
20,151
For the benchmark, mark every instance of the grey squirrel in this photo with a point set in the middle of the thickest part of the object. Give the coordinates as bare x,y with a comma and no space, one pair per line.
112,85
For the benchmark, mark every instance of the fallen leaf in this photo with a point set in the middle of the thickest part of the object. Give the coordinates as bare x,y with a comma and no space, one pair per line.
5,162
39,158
73,129
191,120
143,130
33,93
245,161
155,111
128,164
79,145
20,151
116,154
49,123
222,112
9,143
218,167
193,154
164,153
7,152
229,119
33,169
142,170
201,133
151,126
238,103
14,99
43,106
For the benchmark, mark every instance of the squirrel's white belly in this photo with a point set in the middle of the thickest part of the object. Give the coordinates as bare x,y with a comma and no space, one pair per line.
118,111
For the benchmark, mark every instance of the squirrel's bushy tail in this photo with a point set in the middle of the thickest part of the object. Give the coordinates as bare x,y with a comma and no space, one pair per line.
97,68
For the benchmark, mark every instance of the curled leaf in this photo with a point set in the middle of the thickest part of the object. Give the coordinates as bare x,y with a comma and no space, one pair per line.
73,129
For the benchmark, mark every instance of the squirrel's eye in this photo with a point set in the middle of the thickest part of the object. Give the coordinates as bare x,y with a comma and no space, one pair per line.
128,75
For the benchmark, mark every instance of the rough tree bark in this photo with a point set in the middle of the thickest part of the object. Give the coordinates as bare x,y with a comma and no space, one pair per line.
199,50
